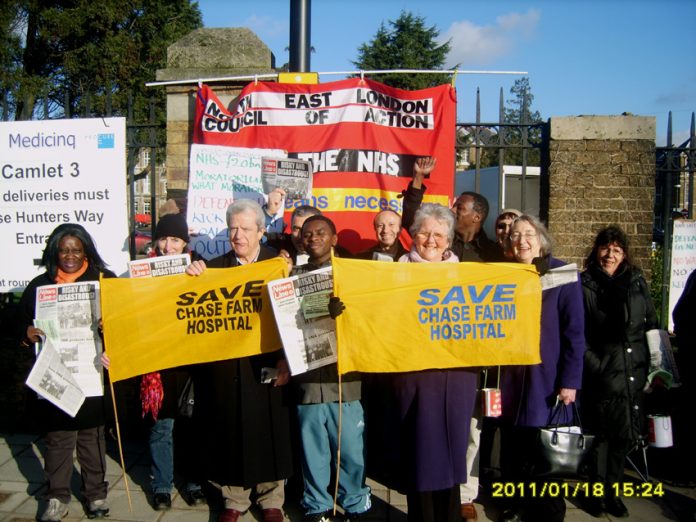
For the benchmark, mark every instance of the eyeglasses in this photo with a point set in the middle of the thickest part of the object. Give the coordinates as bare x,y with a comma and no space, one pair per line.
502,226
616,251
437,236
516,236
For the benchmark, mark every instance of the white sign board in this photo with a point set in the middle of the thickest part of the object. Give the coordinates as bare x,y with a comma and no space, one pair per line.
61,171
683,261
217,176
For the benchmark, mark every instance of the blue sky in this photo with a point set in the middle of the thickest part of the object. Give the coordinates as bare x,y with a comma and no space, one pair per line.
591,57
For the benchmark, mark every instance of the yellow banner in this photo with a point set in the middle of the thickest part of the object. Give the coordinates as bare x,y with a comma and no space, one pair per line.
416,316
365,199
155,323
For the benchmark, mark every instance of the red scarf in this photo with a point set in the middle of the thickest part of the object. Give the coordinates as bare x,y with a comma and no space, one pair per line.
151,393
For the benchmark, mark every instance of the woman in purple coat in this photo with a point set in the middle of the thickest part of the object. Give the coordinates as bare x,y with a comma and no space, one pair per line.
425,432
530,392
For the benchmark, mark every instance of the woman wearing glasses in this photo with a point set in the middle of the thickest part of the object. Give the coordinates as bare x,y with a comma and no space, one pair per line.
426,433
618,312
529,393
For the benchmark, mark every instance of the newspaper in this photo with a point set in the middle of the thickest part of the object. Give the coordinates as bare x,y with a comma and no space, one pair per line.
69,315
561,275
301,309
159,266
294,176
662,362
52,380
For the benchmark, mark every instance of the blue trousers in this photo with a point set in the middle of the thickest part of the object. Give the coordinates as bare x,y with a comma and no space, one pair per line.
162,453
319,434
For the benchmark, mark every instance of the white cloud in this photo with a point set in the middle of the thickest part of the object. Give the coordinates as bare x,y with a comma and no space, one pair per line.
473,44
267,28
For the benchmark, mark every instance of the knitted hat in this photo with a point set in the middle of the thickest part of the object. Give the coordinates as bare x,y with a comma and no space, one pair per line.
172,225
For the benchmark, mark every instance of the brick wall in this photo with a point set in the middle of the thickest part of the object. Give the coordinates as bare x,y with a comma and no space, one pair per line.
601,171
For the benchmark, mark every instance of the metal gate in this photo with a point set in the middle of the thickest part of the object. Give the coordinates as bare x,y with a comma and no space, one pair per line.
139,136
674,198
524,141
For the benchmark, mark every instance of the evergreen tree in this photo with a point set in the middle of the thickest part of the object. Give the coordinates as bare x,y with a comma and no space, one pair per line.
517,110
75,52
406,44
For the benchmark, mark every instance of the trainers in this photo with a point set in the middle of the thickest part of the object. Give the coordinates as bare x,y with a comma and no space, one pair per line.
55,511
318,517
98,508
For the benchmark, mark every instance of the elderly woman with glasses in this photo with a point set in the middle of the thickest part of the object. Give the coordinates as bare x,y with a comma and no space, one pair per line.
529,393
618,312
424,434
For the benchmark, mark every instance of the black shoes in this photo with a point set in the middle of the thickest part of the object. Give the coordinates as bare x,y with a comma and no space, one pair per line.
594,506
511,515
615,507
195,497
162,501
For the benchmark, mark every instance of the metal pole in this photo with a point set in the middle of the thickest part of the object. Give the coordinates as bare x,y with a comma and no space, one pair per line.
501,151
690,161
477,143
154,178
300,35
666,225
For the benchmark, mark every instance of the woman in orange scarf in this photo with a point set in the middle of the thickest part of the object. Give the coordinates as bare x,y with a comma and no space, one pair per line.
70,256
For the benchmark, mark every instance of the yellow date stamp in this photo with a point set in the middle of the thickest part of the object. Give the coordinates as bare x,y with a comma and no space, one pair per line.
575,489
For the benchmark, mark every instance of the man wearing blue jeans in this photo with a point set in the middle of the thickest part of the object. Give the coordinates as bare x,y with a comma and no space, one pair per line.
318,411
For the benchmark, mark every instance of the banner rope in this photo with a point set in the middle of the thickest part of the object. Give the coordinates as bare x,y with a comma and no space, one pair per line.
361,73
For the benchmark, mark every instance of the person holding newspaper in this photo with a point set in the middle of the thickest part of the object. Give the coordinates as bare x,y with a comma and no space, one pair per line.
318,411
244,423
70,256
160,392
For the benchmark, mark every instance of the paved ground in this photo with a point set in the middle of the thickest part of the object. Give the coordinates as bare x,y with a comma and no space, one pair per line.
21,488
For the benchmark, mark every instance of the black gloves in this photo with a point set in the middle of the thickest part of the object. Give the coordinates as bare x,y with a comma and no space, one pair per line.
336,307
541,264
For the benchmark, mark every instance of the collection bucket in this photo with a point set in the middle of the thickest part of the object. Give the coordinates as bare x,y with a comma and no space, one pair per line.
660,431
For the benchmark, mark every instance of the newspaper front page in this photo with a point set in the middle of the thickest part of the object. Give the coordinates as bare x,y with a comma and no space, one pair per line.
54,381
159,266
300,305
69,315
294,176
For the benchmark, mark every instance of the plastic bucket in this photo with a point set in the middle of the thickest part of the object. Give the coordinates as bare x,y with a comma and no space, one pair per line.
660,431
492,404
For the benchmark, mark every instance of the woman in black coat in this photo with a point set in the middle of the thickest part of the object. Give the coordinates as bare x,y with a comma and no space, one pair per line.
70,256
618,312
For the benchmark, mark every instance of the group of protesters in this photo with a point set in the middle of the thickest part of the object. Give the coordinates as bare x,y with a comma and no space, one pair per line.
417,432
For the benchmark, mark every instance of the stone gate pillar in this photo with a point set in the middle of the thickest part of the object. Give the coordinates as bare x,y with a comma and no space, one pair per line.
204,53
601,171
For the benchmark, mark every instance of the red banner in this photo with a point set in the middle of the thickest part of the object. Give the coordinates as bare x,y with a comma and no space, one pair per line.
361,136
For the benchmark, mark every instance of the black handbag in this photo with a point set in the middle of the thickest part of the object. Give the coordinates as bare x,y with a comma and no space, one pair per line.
185,404
561,448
